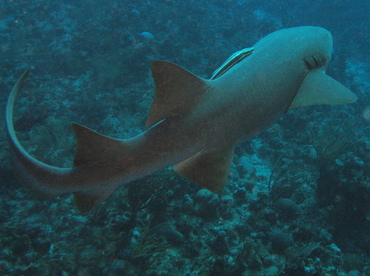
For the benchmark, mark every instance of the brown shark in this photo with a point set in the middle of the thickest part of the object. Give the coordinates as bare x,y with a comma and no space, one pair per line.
194,123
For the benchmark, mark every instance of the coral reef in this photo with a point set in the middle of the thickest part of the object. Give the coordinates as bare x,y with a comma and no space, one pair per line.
297,201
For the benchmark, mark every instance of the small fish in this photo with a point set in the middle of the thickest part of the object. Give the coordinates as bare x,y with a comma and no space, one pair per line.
366,113
193,123
231,61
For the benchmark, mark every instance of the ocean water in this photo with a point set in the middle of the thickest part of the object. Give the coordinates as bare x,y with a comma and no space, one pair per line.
297,199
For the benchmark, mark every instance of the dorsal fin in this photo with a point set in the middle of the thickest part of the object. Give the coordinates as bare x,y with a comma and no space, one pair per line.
94,147
177,91
318,88
208,168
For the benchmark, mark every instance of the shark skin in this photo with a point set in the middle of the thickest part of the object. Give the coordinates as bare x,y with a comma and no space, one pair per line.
193,123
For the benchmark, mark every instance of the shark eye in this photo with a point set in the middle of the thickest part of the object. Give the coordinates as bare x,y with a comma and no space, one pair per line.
314,62
309,66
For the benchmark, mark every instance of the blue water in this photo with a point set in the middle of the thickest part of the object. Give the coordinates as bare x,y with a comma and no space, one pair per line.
297,201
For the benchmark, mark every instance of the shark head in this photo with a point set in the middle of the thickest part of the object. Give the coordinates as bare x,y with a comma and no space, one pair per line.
313,46
317,43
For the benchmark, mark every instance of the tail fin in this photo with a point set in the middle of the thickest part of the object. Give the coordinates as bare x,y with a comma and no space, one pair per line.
29,170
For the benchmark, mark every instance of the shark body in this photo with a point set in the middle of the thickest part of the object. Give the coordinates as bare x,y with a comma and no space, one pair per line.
194,123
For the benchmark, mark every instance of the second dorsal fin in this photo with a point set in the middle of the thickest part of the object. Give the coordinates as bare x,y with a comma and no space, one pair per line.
94,147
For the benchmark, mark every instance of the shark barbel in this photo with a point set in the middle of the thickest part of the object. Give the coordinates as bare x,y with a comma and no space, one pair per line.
194,123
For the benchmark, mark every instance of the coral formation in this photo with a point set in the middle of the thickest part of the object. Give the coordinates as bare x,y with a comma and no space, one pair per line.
297,199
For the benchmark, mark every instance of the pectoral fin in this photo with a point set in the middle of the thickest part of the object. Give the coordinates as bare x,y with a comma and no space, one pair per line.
208,168
318,88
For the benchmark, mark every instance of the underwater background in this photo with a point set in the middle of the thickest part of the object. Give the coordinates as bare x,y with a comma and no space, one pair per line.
297,201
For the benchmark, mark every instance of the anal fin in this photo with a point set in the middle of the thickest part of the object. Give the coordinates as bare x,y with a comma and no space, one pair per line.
208,168
87,200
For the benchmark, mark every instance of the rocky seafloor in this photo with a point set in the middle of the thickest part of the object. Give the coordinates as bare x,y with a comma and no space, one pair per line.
297,201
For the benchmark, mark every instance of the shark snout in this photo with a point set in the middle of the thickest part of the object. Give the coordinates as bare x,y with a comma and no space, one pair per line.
319,44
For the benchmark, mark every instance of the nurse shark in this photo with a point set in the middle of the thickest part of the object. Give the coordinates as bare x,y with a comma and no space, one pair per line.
193,123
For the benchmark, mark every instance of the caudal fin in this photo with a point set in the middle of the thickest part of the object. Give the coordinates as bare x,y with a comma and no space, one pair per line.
33,173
